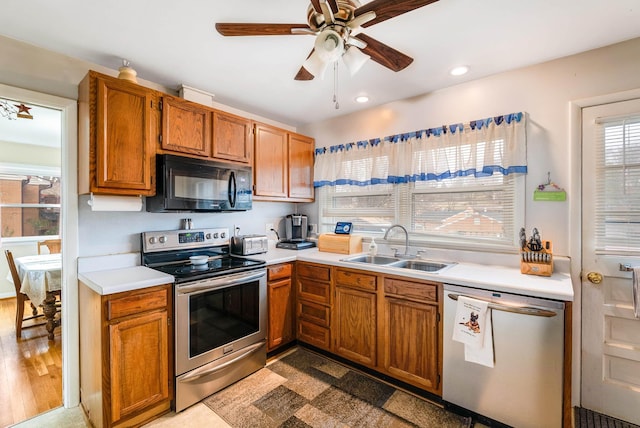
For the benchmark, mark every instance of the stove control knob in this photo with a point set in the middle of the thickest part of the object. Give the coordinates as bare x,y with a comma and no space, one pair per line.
162,239
215,235
208,236
223,235
152,240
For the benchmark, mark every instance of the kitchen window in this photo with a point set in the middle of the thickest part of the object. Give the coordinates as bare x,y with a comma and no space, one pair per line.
462,191
617,196
29,202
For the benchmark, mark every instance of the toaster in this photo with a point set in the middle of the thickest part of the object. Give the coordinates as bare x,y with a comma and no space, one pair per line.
245,245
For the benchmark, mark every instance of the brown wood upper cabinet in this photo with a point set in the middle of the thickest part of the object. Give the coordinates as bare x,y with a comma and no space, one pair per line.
283,165
232,137
117,128
193,129
186,127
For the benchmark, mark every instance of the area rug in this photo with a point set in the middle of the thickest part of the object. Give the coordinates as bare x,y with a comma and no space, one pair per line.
304,389
585,418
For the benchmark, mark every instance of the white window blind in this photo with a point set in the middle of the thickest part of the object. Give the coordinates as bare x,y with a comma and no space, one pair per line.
617,196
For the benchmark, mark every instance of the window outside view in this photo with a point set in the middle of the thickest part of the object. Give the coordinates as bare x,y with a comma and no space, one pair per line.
29,206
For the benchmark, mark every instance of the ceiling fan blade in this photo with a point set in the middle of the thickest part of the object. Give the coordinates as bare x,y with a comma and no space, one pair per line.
360,20
387,9
328,14
383,54
333,5
244,29
316,5
303,73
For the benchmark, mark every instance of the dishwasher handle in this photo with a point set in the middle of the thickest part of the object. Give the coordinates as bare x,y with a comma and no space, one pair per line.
523,310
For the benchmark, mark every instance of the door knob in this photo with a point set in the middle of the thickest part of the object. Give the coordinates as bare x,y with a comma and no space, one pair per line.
594,277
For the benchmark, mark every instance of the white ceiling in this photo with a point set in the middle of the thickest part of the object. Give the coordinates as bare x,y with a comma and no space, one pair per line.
174,43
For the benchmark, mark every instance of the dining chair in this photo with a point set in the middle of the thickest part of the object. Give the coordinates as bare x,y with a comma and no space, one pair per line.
54,245
21,298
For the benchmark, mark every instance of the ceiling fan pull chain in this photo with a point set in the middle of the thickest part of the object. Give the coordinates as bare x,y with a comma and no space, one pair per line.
335,85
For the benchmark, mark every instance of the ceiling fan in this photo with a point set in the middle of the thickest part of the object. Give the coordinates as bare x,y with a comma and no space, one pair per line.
336,24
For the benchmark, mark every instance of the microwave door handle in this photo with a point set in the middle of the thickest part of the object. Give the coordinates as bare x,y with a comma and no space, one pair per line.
232,189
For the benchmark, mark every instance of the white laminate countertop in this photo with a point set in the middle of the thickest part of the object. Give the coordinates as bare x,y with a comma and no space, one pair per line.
125,274
499,278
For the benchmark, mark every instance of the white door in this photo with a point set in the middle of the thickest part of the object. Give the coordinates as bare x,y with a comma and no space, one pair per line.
610,243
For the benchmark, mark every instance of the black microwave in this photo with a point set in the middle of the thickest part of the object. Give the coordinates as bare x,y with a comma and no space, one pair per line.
198,185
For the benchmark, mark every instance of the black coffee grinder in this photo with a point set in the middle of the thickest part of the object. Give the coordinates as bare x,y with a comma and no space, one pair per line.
296,228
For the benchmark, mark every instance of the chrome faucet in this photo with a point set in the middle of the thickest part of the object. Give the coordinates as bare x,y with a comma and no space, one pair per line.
406,238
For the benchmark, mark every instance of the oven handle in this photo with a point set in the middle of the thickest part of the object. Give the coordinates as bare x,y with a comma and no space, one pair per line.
227,281
205,371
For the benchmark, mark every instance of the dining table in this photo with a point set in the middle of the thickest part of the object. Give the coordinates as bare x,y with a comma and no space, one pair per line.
41,280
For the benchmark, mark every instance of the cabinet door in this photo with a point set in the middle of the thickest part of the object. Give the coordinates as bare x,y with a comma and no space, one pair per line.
139,363
231,137
124,135
186,127
301,151
411,349
280,298
270,161
355,326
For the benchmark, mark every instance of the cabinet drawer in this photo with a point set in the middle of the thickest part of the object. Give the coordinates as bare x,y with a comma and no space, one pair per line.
426,291
356,279
321,273
314,334
136,303
314,313
315,291
279,271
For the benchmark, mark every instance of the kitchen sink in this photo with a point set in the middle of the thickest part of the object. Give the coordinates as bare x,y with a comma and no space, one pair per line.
413,264
422,265
374,260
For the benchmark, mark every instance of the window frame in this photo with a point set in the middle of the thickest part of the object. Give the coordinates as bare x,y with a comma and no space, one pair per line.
25,169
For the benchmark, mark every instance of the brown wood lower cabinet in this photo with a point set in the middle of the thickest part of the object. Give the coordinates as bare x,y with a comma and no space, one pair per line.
412,333
355,317
388,323
280,297
313,293
125,355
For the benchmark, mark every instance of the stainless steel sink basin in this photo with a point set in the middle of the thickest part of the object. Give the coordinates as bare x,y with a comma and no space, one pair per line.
414,264
423,265
374,260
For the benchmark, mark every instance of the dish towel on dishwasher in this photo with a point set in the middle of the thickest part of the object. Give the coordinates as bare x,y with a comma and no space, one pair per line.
473,328
636,291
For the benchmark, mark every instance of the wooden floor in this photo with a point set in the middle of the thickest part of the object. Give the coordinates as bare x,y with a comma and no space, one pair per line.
30,369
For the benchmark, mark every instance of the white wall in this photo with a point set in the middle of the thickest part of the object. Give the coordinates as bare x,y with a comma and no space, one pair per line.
543,91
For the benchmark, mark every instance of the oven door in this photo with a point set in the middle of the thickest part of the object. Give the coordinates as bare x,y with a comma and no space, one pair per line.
219,316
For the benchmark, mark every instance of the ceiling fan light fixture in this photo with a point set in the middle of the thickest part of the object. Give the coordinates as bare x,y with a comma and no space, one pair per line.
354,59
329,45
316,65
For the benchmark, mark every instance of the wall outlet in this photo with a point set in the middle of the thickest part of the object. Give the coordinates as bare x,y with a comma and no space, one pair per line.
268,227
312,228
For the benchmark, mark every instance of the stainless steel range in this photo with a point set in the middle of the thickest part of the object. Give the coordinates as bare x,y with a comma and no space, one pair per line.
220,309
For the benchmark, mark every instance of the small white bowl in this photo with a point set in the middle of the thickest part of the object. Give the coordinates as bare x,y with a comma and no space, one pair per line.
199,260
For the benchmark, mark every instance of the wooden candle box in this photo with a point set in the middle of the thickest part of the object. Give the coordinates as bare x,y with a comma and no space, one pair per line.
341,244
537,262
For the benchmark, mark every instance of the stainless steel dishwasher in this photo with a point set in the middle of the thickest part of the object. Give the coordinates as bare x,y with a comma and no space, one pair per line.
524,388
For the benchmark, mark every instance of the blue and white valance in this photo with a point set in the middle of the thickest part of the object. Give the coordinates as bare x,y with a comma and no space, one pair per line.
478,148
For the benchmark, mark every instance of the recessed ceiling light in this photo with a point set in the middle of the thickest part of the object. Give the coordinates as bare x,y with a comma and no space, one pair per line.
362,99
459,71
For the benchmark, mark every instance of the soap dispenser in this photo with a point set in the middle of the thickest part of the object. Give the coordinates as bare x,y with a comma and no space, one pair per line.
373,247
